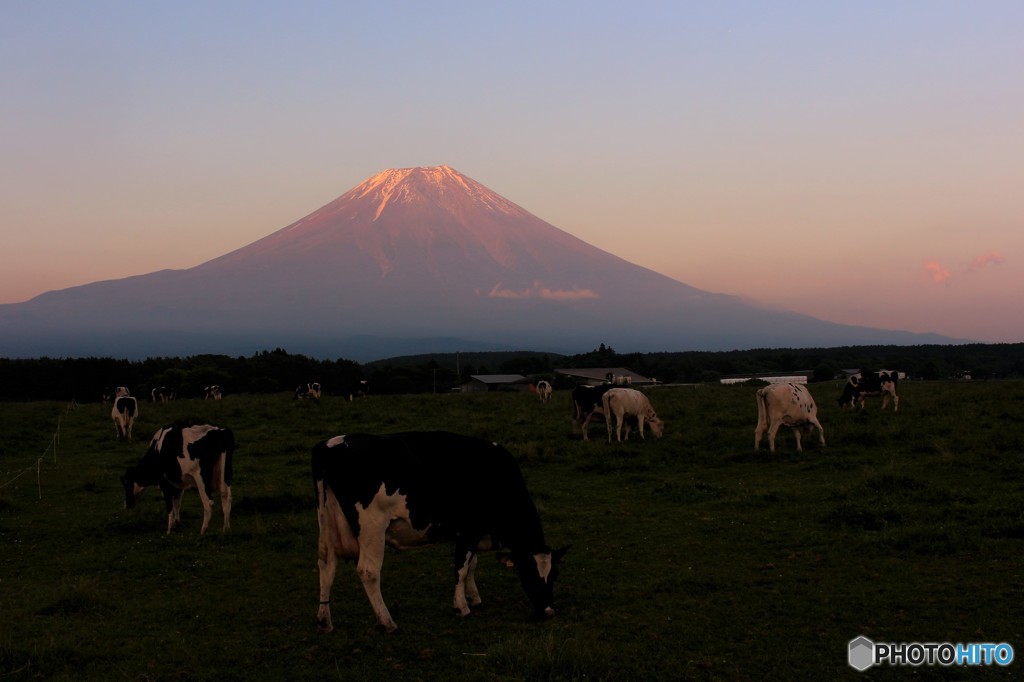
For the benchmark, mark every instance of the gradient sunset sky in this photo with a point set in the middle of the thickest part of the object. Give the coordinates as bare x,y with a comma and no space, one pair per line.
862,162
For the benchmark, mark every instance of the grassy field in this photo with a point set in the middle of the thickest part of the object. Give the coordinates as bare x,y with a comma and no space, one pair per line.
693,556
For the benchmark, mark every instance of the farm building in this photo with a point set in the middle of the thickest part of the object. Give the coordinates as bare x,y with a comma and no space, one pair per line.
595,376
481,383
769,377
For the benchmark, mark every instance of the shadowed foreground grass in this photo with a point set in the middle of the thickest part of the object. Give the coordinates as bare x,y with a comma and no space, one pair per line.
692,557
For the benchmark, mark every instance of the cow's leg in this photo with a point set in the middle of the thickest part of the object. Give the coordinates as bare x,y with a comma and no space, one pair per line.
798,432
173,501
772,430
371,557
204,497
465,563
472,593
641,420
327,563
821,432
207,510
895,403
225,505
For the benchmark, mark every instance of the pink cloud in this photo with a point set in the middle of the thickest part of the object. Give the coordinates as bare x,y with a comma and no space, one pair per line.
540,291
938,273
990,258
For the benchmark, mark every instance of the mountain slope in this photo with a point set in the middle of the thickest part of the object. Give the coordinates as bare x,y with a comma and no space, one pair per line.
409,254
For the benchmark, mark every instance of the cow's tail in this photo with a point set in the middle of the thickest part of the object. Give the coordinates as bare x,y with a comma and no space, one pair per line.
762,409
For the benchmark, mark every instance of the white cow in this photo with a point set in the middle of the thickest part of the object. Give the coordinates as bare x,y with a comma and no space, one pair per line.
544,390
126,409
620,403
786,405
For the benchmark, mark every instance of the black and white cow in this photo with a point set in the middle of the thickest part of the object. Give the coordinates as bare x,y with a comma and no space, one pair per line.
181,456
310,390
411,489
358,389
126,409
161,394
867,383
212,393
588,405
544,390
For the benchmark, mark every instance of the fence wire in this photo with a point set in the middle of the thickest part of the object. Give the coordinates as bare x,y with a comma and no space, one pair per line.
37,466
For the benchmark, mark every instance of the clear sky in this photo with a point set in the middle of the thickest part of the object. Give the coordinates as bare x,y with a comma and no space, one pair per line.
862,162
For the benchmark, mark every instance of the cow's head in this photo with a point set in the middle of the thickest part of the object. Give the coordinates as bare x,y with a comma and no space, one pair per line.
132,490
657,426
851,390
537,573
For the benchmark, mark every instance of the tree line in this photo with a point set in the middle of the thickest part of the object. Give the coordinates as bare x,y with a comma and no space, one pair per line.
277,371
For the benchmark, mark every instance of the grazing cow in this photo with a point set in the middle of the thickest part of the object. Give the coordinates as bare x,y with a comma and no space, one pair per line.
867,383
412,489
311,390
359,389
786,405
544,390
181,456
588,406
212,393
161,394
620,403
126,409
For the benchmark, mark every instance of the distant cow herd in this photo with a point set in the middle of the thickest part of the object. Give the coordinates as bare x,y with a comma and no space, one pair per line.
404,490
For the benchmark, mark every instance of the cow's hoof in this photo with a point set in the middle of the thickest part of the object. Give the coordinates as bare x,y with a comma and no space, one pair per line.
324,627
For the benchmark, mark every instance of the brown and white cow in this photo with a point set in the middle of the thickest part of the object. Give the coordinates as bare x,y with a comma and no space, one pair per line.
126,410
182,456
867,383
410,489
789,405
544,390
621,403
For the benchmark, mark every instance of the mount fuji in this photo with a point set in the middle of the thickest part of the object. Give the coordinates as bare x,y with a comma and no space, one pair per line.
412,260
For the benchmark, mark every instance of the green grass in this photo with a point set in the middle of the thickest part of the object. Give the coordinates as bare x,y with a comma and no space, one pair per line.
693,556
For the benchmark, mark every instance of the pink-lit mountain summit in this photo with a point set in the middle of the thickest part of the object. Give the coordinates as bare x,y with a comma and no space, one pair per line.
411,260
